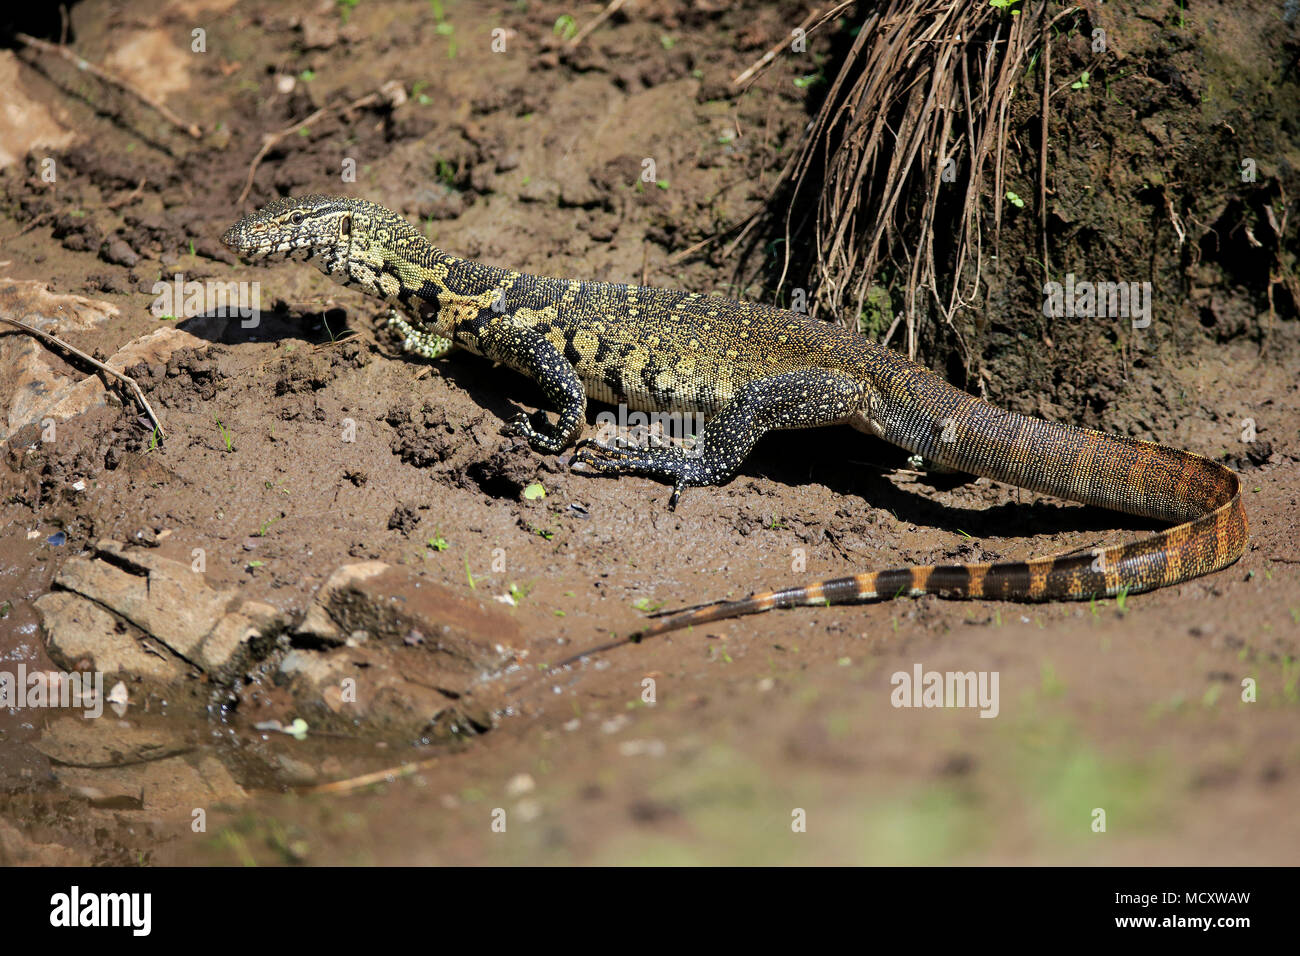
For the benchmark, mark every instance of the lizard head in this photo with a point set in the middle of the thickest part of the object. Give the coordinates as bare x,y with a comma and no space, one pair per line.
317,228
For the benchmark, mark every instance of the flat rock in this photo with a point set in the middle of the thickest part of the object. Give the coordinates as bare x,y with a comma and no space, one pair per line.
77,628
35,383
160,596
399,651
164,599
400,606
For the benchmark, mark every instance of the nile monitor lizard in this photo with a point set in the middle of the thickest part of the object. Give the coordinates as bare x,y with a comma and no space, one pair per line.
751,369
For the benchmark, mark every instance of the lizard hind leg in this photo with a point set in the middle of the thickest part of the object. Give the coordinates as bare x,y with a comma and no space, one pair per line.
804,398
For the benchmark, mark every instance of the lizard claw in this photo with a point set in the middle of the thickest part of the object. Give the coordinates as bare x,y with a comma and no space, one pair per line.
591,457
537,430
524,425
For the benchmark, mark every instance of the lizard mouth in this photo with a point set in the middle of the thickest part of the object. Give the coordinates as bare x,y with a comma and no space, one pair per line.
234,240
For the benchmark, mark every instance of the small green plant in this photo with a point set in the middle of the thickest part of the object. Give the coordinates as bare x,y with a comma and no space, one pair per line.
345,8
1005,5
307,75
227,435
517,593
469,577
534,491
647,605
565,26
1081,83
1015,200
1121,598
438,543
667,42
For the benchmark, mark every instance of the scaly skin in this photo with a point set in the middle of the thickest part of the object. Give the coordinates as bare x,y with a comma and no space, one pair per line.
751,369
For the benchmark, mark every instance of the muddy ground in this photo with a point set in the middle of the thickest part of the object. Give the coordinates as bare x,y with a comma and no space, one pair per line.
335,534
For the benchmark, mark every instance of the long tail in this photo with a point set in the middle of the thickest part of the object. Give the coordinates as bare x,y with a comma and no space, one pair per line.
955,429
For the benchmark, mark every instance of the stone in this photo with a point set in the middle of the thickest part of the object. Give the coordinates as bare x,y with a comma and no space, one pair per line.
160,596
77,628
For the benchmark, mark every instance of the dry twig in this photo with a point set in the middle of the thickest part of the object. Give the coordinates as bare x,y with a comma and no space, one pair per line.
367,779
131,383
810,23
83,64
600,18
387,93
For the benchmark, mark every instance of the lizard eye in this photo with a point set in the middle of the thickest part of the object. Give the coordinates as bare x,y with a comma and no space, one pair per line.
345,226
296,219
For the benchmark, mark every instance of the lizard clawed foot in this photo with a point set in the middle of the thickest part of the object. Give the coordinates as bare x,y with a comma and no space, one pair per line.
591,457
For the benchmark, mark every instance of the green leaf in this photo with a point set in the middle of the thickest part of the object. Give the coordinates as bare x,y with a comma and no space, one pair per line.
565,26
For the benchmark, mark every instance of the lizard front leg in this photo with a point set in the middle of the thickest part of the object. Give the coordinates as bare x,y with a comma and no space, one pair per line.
805,398
531,353
427,344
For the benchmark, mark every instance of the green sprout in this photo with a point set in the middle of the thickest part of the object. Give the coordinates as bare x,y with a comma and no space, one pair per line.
227,435
565,26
